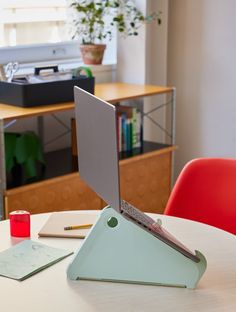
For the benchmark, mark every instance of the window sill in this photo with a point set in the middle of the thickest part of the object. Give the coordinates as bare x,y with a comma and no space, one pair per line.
26,69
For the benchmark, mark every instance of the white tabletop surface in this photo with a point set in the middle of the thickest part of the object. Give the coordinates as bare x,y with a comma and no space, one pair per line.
50,290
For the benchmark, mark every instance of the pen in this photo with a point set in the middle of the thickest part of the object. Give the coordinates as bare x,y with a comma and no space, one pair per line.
76,227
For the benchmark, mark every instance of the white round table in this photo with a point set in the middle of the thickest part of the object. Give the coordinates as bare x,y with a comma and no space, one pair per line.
50,290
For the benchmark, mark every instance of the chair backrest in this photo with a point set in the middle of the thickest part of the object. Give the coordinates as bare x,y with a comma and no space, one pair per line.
205,191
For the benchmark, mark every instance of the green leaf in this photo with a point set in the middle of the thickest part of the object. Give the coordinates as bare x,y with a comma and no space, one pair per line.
10,143
28,151
30,168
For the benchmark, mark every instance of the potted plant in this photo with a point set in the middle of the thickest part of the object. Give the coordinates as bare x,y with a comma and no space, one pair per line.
91,27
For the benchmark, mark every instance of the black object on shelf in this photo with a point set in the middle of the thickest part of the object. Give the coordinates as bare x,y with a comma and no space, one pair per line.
42,90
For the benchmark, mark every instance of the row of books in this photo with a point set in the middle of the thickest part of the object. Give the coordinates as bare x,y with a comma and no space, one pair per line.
129,126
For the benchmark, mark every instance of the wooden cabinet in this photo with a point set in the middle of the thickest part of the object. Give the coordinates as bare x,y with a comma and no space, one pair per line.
68,192
145,179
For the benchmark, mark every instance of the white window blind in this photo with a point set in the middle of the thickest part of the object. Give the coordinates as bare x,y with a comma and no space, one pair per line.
29,21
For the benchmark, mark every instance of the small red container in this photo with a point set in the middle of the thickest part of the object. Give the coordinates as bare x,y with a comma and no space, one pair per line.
20,223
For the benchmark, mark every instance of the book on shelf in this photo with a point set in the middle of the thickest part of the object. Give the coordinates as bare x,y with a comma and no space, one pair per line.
137,134
129,128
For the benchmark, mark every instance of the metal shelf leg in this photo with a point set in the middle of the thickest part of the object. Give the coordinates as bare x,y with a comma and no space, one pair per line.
2,171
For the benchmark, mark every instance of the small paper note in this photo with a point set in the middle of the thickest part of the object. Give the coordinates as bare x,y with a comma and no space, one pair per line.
27,258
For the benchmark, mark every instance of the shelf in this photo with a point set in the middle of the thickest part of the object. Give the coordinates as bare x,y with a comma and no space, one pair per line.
146,148
145,174
111,92
59,163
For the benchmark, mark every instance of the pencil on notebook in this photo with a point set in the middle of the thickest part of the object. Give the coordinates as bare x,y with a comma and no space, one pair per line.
77,227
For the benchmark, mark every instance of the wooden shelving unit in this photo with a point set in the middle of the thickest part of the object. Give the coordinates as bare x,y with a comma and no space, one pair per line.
145,175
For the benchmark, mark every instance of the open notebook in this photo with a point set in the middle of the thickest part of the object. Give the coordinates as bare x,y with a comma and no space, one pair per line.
54,227
27,258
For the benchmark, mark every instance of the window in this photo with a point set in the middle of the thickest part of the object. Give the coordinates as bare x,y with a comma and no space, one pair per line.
32,31
30,21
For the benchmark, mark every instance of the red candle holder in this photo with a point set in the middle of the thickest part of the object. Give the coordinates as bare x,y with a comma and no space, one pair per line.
20,223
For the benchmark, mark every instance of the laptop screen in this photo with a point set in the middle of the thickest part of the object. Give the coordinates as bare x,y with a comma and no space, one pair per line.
97,145
98,163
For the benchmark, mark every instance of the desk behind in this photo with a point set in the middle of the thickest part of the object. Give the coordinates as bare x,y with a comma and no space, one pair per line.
66,191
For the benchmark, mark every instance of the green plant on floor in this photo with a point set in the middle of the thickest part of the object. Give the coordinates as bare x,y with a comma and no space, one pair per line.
23,149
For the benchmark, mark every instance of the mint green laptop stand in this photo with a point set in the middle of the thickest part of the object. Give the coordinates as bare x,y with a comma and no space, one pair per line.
118,250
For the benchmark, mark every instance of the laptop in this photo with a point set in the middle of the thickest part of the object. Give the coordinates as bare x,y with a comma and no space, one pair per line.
97,142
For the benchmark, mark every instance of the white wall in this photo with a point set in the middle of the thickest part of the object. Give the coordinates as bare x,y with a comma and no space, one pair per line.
143,59
156,69
131,54
202,66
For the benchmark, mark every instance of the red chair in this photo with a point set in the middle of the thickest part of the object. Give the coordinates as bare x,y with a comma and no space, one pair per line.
205,191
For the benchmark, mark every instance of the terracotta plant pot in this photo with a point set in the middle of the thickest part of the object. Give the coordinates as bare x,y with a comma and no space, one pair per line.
92,53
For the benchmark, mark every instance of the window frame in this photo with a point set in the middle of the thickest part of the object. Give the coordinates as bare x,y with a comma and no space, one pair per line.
40,52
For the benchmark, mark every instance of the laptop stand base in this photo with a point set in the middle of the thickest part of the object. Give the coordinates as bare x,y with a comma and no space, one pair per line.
118,250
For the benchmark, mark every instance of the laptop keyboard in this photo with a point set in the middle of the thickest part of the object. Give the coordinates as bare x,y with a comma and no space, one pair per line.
155,229
136,214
